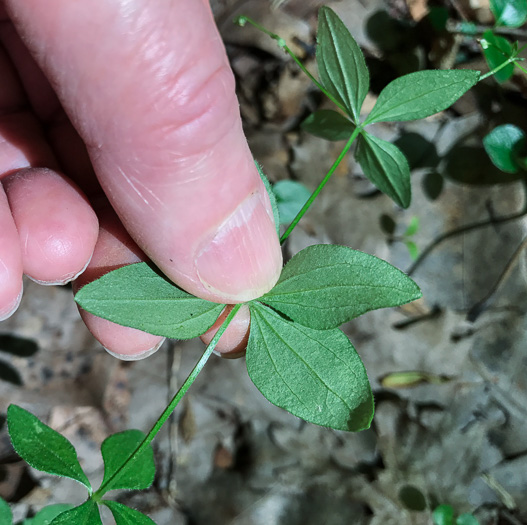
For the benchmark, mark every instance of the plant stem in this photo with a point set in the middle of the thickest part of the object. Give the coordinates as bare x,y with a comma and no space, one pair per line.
175,400
510,60
314,195
242,20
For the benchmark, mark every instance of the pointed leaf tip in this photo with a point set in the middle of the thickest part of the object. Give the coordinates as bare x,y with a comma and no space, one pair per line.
341,64
326,285
314,374
42,447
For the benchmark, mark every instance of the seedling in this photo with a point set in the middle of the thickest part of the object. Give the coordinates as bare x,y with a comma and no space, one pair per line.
297,356
444,515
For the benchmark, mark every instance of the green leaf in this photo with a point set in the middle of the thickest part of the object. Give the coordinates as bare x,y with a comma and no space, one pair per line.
290,197
341,64
6,517
42,447
140,297
272,197
124,515
385,166
314,374
443,515
326,285
497,50
85,514
413,227
421,94
138,474
511,13
412,249
504,144
466,519
48,514
328,124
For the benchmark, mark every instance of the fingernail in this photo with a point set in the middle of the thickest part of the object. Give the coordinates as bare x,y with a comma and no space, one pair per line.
10,310
64,280
243,260
139,356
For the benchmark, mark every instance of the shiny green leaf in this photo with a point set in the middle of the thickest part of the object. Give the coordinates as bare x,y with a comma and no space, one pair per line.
47,514
42,447
497,50
443,515
124,515
85,514
314,374
326,285
510,13
140,297
504,144
341,64
385,166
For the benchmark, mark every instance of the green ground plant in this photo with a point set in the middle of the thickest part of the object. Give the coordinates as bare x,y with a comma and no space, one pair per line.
297,356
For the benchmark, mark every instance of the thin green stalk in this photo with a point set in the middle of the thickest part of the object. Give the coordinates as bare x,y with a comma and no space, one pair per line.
314,195
242,20
496,69
175,400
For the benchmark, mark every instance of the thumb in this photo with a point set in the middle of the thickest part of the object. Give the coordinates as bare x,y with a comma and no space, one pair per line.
148,87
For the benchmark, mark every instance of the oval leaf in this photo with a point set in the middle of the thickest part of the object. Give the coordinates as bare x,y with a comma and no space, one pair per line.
138,474
314,374
466,519
386,167
85,514
341,64
433,184
326,285
496,51
328,124
6,515
42,447
124,515
17,345
511,13
503,145
443,515
290,197
272,198
48,514
421,94
140,297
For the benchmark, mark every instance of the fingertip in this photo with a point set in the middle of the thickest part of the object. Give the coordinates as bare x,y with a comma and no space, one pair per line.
56,225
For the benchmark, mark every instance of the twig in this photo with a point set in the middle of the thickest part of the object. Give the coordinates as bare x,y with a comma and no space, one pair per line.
479,29
465,229
481,305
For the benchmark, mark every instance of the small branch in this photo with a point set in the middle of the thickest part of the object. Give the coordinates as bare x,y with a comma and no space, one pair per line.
457,28
481,305
465,229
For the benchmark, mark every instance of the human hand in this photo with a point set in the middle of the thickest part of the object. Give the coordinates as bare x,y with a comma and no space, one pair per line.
141,94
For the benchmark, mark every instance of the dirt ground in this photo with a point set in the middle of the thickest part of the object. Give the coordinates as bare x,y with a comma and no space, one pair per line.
458,436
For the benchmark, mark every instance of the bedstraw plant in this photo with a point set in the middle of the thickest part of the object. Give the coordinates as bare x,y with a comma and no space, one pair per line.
297,356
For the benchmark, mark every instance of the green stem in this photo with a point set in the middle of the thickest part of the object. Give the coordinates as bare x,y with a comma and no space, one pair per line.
510,60
314,195
242,20
175,400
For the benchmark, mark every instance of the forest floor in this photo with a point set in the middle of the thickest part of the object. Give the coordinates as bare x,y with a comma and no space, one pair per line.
456,435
